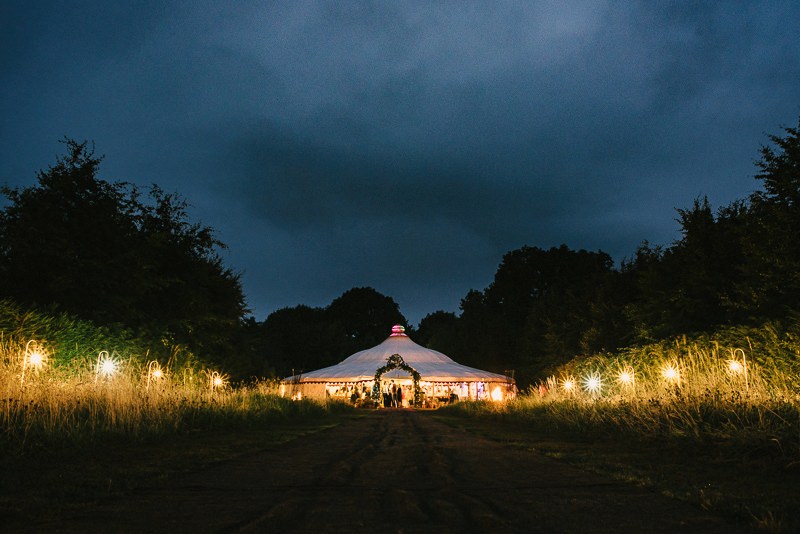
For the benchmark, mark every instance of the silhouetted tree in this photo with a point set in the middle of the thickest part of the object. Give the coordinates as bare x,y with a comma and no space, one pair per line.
542,308
692,285
575,306
97,250
361,318
773,242
740,266
440,331
296,339
302,338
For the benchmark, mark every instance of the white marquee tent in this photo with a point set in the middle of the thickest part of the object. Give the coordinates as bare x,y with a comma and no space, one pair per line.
439,376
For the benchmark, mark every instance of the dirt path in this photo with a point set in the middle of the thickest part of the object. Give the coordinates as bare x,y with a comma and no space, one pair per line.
394,472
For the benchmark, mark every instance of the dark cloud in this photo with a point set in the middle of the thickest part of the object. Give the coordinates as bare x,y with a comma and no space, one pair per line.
405,146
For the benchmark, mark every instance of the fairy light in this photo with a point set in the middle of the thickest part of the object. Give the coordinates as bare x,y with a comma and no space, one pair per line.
625,377
154,372
34,358
670,373
106,365
216,381
568,384
735,367
592,383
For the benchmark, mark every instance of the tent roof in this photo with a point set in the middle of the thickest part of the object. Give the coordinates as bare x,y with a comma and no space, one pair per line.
430,364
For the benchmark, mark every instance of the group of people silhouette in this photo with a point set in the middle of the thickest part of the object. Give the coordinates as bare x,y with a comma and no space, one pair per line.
393,396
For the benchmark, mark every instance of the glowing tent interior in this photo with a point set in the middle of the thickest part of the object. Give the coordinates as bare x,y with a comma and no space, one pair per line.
425,376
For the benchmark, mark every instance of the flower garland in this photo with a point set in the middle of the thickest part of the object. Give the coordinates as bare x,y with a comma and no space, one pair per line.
395,361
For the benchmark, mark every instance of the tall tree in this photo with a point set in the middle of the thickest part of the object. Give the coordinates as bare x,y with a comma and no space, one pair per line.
440,331
543,307
691,286
295,340
97,250
302,338
773,239
361,318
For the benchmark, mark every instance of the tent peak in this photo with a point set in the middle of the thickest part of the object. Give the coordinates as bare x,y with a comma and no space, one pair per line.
398,330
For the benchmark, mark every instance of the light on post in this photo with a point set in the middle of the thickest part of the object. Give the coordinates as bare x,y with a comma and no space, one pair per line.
592,383
216,381
154,373
671,374
106,365
34,358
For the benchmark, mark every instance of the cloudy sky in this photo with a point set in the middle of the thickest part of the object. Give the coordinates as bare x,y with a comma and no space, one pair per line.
404,145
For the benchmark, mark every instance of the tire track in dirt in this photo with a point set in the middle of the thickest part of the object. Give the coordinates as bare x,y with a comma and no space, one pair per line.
394,471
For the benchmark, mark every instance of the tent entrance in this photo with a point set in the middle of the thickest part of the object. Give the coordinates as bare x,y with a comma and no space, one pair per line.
395,361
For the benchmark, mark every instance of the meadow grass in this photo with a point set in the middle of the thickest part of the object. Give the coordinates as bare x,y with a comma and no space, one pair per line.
700,390
714,420
109,386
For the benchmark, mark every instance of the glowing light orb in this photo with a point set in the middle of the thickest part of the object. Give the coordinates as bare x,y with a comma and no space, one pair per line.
158,373
497,394
625,377
592,383
36,359
216,380
108,367
670,373
568,384
735,366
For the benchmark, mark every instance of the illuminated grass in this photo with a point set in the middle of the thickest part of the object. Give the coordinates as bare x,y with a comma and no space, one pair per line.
712,421
49,400
747,396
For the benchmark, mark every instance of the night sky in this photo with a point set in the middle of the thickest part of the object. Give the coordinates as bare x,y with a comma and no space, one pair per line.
404,145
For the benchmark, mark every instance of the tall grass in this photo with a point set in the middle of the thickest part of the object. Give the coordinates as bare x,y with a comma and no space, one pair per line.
740,388
51,399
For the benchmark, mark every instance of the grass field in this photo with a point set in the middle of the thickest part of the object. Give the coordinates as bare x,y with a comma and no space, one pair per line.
706,420
87,415
65,382
714,420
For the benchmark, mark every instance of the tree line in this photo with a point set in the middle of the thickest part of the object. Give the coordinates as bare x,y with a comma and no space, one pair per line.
110,253
738,265
133,261
119,257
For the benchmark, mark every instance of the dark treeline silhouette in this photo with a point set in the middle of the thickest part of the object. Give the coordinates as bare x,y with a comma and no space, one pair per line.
739,265
543,307
301,338
98,250
79,244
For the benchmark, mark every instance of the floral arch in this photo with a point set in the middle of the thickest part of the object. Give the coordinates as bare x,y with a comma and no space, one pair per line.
395,361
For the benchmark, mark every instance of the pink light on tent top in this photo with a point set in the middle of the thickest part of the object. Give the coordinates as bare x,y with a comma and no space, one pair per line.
398,330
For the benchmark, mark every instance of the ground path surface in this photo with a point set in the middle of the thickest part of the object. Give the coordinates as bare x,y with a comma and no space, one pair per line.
394,471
